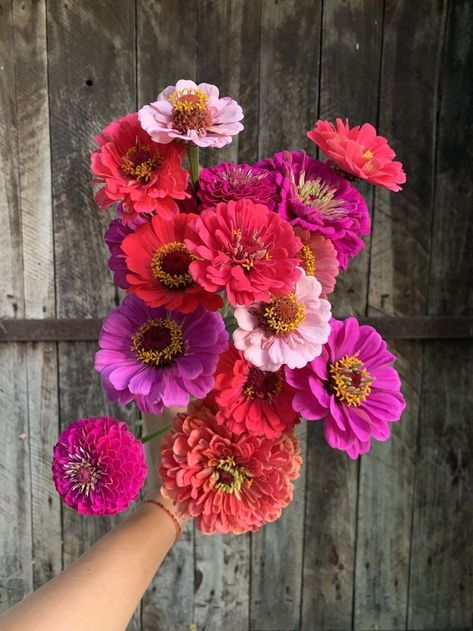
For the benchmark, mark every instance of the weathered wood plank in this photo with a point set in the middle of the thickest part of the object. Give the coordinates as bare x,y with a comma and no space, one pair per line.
351,51
289,72
398,286
29,23
441,574
165,54
91,48
16,578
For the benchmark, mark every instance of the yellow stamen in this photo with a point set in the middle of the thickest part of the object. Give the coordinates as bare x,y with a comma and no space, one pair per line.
173,278
282,315
161,354
229,476
140,163
189,100
308,260
368,154
350,381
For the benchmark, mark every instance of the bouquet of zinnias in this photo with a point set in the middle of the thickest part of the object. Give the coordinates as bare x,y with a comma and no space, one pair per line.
227,271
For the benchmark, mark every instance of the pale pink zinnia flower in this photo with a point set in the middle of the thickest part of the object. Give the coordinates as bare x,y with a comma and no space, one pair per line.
319,259
229,483
192,113
290,330
359,151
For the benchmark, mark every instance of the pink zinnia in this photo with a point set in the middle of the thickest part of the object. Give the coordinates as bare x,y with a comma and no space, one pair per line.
229,483
290,330
252,400
145,176
319,259
98,467
352,386
230,182
245,249
192,113
359,151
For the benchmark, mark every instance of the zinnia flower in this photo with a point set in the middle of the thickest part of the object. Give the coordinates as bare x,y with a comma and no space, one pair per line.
252,400
316,198
157,262
319,259
352,386
359,152
193,113
289,330
145,176
158,357
227,482
98,466
230,182
113,237
245,249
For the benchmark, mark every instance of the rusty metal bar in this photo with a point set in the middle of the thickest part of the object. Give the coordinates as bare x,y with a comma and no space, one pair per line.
87,329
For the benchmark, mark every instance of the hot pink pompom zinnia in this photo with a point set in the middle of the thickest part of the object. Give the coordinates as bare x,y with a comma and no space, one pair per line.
245,249
252,400
192,113
228,483
99,466
319,259
145,176
352,386
290,330
359,151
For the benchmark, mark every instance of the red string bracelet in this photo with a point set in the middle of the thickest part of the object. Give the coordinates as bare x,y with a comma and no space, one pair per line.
170,513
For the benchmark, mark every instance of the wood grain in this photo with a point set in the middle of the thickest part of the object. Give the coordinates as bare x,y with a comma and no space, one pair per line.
398,286
441,569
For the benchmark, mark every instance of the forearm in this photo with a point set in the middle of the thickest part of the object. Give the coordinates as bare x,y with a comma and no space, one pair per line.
102,589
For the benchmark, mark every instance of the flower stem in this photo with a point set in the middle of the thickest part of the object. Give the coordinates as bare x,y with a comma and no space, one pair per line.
158,432
194,166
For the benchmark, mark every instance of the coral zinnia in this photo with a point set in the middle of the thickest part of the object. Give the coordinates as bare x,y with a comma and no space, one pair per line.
158,357
316,198
359,151
319,259
98,467
192,113
158,261
145,176
230,182
245,249
227,482
351,385
250,399
289,330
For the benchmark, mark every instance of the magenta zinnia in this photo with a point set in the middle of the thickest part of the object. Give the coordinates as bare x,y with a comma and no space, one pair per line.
229,483
352,386
98,467
156,357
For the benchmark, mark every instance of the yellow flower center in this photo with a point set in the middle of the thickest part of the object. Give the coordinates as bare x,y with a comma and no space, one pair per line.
158,342
189,110
316,193
170,265
263,385
139,162
307,260
282,315
349,380
368,154
246,250
83,473
230,477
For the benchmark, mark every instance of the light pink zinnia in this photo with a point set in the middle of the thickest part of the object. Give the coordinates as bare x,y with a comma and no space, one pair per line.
192,113
288,331
359,151
319,259
228,483
351,386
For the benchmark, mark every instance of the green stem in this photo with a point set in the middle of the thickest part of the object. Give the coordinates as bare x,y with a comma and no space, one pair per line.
194,167
158,432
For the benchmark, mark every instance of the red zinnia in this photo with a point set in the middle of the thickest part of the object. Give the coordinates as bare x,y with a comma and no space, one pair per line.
158,261
245,249
251,399
146,176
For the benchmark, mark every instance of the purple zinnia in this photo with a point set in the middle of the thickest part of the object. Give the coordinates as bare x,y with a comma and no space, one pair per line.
315,197
157,357
98,466
352,386
228,182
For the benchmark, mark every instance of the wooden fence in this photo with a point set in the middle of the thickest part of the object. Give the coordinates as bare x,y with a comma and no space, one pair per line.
384,543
